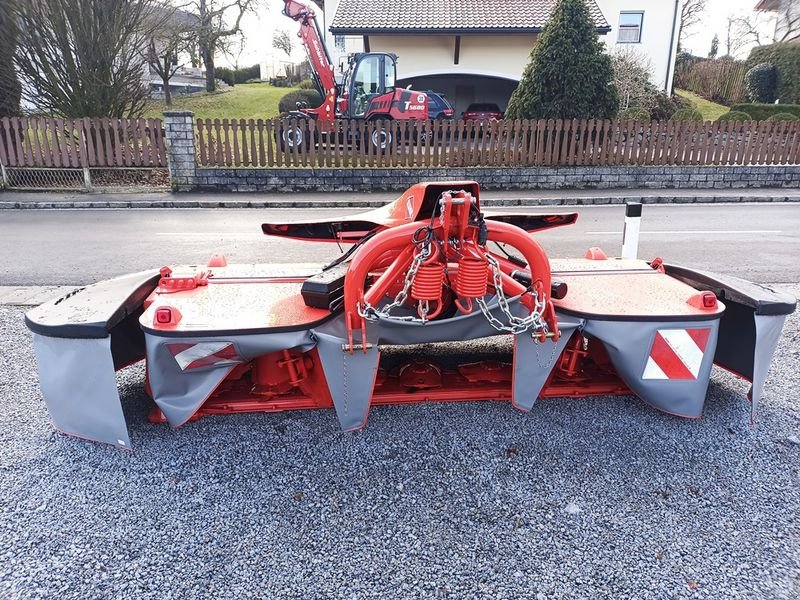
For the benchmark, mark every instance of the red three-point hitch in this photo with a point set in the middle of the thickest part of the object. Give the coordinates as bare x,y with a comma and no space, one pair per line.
444,267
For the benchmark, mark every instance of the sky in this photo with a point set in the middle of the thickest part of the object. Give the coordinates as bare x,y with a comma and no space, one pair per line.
258,29
715,22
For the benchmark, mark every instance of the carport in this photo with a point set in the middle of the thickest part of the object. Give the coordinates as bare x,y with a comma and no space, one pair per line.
463,89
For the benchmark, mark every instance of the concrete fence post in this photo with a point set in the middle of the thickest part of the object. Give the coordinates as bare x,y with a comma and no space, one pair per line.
181,157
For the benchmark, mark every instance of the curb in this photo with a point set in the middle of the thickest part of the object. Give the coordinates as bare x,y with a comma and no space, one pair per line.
539,201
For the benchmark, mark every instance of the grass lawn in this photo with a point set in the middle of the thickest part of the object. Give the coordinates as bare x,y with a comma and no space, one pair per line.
710,110
244,101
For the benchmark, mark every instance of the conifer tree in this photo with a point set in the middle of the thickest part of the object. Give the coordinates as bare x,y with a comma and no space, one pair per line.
569,75
9,83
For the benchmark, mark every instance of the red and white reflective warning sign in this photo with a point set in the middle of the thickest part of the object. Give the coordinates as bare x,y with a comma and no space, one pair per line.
204,354
676,354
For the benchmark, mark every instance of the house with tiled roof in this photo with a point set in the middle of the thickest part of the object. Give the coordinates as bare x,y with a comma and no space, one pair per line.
476,50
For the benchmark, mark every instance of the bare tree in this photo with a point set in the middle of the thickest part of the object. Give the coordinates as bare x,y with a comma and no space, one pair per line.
691,13
632,71
283,41
780,25
216,21
752,29
788,24
83,58
734,40
169,40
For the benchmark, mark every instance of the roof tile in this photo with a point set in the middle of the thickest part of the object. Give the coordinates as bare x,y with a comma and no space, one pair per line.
355,16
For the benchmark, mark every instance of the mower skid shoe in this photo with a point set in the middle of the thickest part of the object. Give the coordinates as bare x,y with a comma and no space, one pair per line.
750,327
533,363
350,377
80,340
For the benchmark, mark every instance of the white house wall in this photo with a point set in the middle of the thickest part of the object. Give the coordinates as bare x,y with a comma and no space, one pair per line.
657,34
492,55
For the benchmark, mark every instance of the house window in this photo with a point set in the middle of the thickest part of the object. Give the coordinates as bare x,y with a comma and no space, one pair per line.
630,27
338,41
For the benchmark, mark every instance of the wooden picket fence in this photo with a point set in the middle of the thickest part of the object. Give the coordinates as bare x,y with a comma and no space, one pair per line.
719,80
89,142
441,143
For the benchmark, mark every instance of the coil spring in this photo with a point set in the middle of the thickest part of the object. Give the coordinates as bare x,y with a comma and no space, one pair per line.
472,278
428,282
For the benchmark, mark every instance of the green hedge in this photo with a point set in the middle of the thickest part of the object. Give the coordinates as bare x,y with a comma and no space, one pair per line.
786,58
784,116
734,116
243,75
761,112
687,114
289,101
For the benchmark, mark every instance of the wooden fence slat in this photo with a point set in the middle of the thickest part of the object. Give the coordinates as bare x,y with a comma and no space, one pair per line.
236,155
133,127
269,135
719,143
152,149
36,144
791,134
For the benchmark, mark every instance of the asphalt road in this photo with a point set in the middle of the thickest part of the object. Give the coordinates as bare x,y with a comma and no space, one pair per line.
760,242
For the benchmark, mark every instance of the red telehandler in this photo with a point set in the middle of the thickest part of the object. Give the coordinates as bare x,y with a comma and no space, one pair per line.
367,90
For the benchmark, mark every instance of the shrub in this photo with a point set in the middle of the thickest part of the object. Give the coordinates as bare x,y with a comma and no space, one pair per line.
762,112
307,84
290,100
786,58
634,114
569,75
761,83
665,106
735,115
687,114
243,75
784,116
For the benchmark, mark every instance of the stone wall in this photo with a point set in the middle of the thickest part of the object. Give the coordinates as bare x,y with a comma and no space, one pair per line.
510,178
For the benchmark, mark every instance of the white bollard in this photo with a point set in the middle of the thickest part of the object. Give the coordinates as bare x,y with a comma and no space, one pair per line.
630,234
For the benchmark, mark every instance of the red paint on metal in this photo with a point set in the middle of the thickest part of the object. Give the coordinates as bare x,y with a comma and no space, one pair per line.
704,301
217,260
290,380
595,253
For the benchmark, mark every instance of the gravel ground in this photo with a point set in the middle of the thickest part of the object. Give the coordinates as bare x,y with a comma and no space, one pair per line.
595,498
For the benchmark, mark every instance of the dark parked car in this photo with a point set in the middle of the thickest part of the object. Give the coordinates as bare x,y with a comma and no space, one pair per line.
482,111
438,106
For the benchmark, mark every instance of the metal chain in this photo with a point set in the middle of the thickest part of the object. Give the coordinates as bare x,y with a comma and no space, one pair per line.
370,313
516,325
